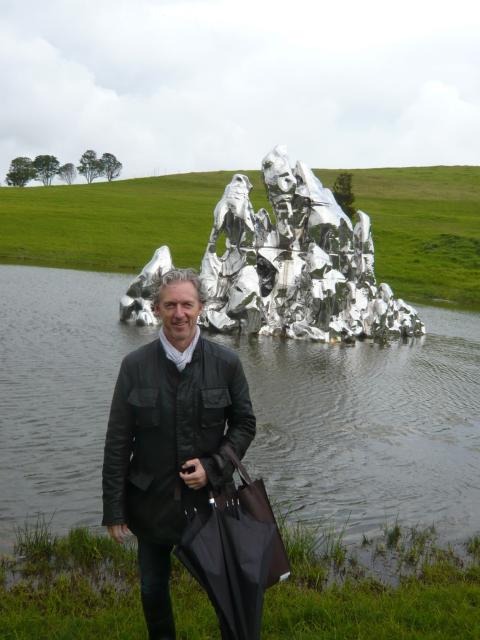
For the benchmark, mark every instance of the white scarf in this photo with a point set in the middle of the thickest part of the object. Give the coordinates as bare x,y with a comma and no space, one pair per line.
179,358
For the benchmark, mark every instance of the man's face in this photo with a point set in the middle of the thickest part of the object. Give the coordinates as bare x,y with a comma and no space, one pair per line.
179,308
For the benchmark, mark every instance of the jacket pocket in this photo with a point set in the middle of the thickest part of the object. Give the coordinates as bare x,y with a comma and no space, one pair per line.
144,400
140,479
138,499
215,402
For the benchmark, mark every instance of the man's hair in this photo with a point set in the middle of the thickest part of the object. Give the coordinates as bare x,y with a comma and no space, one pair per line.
172,277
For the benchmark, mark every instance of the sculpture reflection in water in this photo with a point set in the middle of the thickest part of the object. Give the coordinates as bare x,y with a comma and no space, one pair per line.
306,273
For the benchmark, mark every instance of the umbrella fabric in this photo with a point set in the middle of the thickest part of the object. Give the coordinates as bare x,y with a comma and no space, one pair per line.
250,545
197,552
229,554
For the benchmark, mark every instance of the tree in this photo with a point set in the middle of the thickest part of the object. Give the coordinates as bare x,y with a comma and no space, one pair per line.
21,172
111,166
342,190
46,168
90,166
67,173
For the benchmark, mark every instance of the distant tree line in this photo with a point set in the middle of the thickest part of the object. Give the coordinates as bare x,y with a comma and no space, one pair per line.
44,168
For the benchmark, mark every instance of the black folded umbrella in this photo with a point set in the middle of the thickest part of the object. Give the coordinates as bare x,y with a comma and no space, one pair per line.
229,554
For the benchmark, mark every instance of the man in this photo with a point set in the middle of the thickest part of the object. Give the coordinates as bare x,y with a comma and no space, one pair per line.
177,400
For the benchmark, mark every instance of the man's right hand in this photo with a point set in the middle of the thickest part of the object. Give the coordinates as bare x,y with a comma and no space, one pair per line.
118,532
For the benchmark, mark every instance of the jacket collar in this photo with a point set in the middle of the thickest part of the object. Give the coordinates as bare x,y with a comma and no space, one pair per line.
162,359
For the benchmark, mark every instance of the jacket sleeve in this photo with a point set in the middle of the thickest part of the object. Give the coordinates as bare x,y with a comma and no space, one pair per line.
241,428
117,452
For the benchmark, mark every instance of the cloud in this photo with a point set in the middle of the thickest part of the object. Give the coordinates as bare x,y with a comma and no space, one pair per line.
201,85
440,127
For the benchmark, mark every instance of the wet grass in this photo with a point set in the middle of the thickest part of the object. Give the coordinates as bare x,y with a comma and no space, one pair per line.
85,586
43,554
425,224
473,547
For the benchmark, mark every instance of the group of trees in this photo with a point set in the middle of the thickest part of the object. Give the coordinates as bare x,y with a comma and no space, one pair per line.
44,168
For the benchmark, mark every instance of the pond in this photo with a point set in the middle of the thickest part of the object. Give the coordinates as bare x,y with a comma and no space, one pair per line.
348,436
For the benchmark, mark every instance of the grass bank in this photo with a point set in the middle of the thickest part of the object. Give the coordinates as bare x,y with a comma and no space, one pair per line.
84,586
426,225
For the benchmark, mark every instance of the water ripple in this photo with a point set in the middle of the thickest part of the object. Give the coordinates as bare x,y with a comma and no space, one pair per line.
346,434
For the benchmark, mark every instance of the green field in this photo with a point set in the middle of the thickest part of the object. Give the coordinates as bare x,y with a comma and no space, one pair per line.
425,221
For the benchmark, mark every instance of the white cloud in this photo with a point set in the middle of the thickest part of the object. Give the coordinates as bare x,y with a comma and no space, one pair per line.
440,127
179,86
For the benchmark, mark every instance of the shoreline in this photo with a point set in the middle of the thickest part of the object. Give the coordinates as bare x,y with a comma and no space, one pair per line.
424,225
437,303
83,586
398,553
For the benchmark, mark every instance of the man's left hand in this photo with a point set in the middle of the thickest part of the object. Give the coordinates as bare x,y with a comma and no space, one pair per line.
197,478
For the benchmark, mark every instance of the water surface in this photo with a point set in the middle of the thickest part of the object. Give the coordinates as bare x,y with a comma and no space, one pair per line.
352,436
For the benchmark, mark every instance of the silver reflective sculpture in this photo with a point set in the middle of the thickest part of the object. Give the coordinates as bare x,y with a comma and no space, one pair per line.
305,272
136,304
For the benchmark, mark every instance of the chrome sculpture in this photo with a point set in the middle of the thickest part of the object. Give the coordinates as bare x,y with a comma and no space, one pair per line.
309,274
136,304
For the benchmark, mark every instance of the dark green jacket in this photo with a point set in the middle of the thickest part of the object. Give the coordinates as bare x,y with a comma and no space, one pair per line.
160,418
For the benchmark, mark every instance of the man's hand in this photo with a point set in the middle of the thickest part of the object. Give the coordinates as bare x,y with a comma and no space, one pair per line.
197,478
118,532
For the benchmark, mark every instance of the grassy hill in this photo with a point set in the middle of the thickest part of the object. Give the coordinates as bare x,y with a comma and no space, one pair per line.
425,221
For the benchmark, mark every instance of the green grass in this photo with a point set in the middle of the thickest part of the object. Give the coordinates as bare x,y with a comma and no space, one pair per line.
425,221
84,586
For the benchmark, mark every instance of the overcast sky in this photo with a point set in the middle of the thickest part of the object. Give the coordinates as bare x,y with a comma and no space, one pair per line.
172,86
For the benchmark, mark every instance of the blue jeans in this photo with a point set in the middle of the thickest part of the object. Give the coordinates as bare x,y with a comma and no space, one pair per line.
154,565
